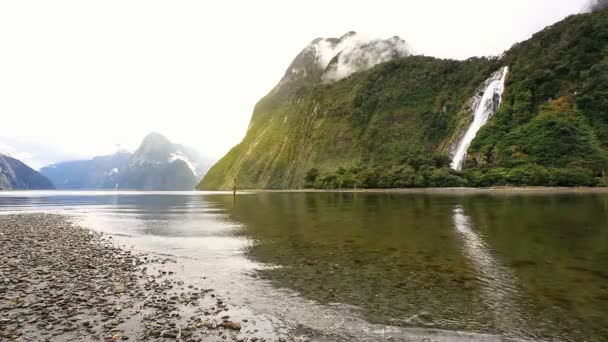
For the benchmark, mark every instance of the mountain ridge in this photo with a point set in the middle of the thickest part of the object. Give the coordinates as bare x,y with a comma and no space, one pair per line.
97,173
158,164
329,60
16,175
395,124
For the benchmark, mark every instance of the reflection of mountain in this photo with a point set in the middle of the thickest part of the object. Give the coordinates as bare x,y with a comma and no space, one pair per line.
164,215
514,265
15,175
154,214
399,259
391,256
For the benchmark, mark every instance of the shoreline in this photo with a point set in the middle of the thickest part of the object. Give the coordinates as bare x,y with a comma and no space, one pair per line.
102,291
63,282
446,191
534,190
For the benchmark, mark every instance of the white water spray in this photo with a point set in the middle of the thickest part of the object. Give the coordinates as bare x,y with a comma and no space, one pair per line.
486,107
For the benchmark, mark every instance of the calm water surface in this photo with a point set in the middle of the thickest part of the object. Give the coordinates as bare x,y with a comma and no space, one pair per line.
355,266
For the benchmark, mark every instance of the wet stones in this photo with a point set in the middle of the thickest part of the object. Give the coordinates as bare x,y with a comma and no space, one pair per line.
169,334
231,325
61,282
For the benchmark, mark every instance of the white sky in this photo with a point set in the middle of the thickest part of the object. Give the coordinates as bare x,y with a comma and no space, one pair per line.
77,78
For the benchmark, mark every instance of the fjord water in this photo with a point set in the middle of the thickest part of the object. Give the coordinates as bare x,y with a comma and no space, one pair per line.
365,266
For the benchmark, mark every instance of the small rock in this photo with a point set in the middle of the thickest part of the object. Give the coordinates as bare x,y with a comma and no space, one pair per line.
232,325
168,334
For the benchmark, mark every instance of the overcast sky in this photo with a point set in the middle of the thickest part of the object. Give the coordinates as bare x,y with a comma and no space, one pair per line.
78,78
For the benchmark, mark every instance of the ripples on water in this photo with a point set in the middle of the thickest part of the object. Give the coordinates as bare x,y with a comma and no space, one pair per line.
370,266
498,283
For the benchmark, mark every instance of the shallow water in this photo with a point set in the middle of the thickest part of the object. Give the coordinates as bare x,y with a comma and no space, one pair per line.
362,266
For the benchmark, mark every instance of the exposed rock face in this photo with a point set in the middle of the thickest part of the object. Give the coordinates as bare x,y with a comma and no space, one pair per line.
15,175
355,54
332,59
101,172
159,164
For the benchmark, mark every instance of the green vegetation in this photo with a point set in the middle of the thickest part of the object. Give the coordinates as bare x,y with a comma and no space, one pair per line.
552,128
394,125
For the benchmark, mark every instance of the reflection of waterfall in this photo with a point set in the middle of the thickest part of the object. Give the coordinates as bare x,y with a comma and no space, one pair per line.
485,108
499,287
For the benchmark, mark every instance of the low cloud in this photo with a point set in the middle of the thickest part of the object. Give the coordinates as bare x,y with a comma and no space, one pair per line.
33,153
10,151
595,5
354,52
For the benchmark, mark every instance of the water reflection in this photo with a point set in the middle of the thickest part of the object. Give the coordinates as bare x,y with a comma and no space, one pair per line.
394,257
499,284
373,266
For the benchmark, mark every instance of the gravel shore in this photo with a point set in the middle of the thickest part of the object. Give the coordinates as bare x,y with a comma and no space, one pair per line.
62,282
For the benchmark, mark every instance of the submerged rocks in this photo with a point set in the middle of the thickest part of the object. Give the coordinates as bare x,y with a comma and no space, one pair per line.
61,282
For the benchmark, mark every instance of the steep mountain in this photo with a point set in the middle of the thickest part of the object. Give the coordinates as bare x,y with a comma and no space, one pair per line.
15,175
102,172
327,60
400,123
332,59
159,164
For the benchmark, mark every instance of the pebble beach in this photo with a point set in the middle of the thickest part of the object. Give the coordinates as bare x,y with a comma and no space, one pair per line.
63,282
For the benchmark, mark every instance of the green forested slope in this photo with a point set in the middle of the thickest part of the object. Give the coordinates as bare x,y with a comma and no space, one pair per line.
396,124
555,110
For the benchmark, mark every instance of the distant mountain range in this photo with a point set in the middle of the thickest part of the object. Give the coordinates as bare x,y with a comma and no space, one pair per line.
98,173
158,164
15,175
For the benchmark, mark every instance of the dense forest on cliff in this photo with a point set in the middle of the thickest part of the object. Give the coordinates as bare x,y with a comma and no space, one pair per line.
396,124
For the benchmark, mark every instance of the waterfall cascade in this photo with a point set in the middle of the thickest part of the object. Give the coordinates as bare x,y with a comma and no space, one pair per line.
485,108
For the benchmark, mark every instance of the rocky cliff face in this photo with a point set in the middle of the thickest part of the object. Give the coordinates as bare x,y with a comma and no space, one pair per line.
159,164
102,172
394,124
332,59
15,175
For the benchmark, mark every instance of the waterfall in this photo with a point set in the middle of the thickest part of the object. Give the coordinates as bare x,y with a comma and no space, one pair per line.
485,108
